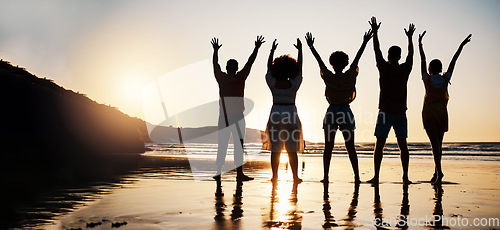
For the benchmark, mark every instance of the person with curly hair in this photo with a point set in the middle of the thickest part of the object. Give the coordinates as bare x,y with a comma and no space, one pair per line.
284,130
340,92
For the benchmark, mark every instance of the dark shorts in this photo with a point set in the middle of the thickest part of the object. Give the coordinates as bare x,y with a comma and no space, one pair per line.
339,117
387,120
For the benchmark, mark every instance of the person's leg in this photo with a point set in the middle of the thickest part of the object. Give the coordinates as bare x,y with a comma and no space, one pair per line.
294,164
377,159
405,158
275,162
436,138
384,123
351,150
223,134
401,130
327,154
238,137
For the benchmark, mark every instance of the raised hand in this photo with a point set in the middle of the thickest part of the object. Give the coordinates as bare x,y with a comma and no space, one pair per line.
309,39
467,40
374,25
420,36
275,45
411,29
298,45
259,41
215,44
368,35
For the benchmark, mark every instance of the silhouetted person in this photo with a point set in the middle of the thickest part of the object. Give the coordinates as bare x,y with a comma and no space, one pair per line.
284,76
434,112
340,92
392,101
231,118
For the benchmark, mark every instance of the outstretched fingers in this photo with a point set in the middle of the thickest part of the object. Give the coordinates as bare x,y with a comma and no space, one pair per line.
368,35
299,44
373,24
259,41
215,43
411,29
421,36
275,44
309,39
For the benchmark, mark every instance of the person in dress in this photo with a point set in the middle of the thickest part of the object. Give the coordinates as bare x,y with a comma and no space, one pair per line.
434,112
284,76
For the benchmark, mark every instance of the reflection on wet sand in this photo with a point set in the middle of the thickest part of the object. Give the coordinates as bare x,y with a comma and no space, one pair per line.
329,219
405,209
220,207
437,212
283,214
351,212
378,211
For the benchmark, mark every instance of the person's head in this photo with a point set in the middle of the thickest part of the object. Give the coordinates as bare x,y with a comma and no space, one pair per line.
284,67
435,67
232,66
394,54
339,60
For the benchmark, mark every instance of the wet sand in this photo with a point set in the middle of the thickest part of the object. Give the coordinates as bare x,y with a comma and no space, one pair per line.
171,199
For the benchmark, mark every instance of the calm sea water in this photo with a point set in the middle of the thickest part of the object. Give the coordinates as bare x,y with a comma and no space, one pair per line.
488,151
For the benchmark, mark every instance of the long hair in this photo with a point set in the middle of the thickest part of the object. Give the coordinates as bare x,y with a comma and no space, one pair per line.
284,67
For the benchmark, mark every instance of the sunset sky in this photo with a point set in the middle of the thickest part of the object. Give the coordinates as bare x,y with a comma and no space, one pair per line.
113,50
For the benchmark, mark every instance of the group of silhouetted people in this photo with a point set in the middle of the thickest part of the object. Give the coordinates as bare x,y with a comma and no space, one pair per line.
284,77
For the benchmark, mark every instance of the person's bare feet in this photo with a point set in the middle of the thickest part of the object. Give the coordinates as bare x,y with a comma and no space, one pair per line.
216,177
324,180
374,180
297,180
357,180
438,180
243,177
434,176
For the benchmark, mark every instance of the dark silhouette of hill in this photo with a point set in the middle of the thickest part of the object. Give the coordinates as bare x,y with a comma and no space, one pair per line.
40,115
55,138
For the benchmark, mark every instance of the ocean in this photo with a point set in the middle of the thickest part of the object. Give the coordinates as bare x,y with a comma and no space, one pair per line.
487,151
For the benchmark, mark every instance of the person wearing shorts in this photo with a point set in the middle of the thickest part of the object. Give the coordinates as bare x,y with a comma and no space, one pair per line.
393,82
340,92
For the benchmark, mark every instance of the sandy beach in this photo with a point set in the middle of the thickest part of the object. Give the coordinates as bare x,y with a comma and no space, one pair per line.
167,197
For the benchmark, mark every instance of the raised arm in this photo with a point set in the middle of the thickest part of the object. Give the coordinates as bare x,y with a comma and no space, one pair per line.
271,55
251,59
409,34
310,43
368,35
423,61
299,56
215,59
455,57
376,43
